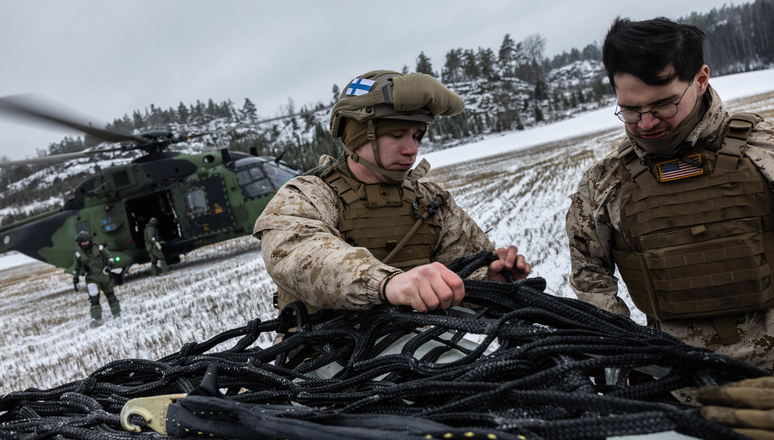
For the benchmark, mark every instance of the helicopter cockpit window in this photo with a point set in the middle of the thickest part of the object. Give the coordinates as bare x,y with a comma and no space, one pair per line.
121,179
196,202
279,176
254,182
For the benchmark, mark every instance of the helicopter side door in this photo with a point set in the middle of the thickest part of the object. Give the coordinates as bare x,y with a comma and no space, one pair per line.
204,206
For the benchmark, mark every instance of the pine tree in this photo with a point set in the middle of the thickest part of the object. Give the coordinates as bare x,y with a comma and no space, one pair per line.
182,113
540,90
507,56
137,120
581,96
453,66
486,63
538,113
248,111
424,65
336,94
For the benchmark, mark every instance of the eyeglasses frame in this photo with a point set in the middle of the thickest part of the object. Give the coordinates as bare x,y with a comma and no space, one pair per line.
676,104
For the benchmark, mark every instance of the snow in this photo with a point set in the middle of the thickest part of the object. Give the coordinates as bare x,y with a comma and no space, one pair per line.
517,185
13,259
730,87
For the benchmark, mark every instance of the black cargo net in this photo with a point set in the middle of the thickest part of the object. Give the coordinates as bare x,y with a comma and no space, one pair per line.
545,368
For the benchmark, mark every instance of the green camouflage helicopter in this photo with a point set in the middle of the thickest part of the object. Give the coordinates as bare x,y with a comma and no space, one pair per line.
198,199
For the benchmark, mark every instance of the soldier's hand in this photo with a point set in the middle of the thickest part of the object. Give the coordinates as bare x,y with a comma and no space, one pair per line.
746,406
106,270
426,287
511,261
158,245
75,283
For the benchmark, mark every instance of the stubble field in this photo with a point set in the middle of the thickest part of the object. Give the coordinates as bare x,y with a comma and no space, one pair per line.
521,197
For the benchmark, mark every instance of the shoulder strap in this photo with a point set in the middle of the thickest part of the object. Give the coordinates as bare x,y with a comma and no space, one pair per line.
637,170
339,184
323,168
739,127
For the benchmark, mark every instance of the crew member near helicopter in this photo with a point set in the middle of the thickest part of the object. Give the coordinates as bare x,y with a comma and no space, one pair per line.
95,262
153,246
362,230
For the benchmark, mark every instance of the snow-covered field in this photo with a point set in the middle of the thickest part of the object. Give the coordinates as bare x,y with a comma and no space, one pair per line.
517,185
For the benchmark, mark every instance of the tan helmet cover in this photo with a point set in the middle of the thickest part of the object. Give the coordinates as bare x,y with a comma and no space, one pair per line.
416,97
392,95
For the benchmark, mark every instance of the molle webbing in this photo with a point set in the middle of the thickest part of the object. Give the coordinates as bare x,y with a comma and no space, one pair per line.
378,217
699,246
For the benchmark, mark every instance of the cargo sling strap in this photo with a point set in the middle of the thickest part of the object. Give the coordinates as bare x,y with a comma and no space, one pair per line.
548,368
735,140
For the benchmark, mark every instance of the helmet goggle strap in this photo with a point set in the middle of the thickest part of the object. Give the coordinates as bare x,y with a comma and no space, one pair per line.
379,168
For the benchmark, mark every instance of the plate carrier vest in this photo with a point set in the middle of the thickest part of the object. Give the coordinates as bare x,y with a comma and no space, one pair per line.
391,221
87,258
700,246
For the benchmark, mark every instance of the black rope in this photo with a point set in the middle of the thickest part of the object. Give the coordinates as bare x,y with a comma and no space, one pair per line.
539,373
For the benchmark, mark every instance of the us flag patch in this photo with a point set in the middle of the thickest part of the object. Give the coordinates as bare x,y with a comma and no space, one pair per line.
677,169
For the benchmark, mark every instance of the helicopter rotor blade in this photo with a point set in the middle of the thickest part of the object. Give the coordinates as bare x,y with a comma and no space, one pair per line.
25,105
56,158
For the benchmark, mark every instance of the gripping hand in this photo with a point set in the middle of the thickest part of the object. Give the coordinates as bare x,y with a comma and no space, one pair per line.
746,406
75,283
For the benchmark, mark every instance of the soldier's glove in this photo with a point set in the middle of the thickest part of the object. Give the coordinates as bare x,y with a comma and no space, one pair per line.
158,245
746,406
106,270
75,283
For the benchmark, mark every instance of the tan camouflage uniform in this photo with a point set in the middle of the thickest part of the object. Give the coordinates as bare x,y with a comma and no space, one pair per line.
306,256
594,215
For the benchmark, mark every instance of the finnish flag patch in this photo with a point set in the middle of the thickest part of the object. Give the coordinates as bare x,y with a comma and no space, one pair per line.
360,86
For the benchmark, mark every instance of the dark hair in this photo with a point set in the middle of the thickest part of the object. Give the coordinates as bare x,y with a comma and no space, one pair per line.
645,48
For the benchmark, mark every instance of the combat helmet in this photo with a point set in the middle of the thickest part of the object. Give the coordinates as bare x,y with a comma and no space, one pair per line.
84,236
154,221
390,95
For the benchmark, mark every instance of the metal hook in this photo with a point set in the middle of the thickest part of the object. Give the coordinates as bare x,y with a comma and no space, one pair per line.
152,409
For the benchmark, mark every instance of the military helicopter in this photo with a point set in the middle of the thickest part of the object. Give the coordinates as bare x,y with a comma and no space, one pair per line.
198,199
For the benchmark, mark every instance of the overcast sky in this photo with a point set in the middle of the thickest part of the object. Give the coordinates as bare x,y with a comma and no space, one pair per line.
107,59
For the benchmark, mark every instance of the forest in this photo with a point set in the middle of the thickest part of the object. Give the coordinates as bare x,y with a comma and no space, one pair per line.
511,87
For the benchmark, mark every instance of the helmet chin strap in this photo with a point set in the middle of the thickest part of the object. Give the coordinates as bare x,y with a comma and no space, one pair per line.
379,168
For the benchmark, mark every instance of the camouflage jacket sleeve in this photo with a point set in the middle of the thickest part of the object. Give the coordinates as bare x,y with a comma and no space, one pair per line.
760,149
304,252
305,255
590,224
460,235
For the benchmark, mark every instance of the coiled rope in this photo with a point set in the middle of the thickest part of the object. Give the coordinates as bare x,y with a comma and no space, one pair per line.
547,368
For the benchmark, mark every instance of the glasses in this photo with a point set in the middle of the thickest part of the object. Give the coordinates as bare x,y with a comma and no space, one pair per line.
659,111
